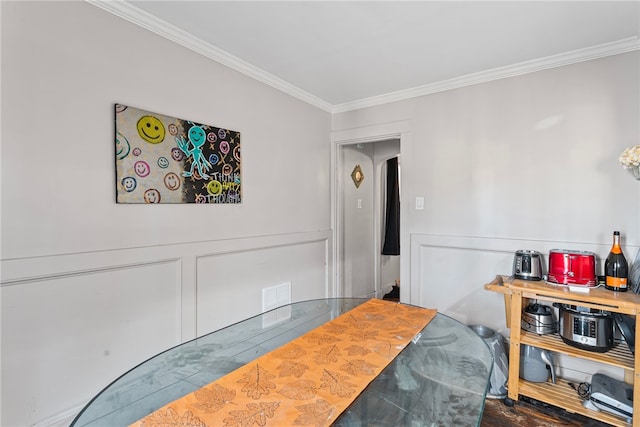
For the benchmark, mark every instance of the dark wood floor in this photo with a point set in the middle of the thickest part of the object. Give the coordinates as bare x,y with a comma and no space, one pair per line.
531,413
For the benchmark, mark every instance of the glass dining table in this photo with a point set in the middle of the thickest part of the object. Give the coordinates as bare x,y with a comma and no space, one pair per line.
439,379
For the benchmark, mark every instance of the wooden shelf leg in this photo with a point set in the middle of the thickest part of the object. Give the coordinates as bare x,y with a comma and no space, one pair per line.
514,345
636,379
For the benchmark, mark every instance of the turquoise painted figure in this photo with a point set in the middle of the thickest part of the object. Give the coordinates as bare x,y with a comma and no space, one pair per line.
197,139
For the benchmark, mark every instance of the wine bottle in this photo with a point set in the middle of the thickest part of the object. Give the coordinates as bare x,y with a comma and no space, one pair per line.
616,269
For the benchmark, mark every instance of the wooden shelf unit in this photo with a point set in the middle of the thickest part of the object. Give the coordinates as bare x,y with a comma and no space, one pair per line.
517,293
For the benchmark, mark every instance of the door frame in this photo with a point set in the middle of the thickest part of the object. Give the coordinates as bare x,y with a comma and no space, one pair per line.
393,130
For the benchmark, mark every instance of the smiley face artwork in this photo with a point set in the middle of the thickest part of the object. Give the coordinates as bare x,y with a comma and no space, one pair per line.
214,188
152,196
177,154
163,159
129,183
151,129
196,136
224,147
122,146
172,181
141,168
163,162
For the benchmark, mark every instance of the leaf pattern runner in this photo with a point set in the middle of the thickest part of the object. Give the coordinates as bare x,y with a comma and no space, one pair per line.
307,382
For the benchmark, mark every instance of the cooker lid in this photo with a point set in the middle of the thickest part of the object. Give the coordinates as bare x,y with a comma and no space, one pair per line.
578,309
538,309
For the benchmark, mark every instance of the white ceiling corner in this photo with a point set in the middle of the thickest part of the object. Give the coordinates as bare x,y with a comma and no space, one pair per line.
150,22
301,62
567,58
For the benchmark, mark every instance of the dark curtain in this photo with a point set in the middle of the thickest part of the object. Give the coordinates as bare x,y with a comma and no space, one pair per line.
392,224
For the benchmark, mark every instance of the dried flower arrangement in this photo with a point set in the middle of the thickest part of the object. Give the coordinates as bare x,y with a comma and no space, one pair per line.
630,159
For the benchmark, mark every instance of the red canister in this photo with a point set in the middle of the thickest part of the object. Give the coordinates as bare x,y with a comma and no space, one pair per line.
569,267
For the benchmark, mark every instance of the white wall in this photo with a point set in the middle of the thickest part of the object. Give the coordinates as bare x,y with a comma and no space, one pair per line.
528,162
89,287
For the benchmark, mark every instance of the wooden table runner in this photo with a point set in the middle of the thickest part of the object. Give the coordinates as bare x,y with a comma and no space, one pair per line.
307,382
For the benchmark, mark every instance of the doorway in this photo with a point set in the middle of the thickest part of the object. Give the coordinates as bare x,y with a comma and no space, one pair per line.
361,194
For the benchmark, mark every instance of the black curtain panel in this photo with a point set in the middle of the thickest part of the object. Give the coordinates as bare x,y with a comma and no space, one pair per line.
392,224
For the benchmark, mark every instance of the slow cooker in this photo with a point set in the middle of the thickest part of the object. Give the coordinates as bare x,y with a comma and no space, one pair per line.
586,328
539,319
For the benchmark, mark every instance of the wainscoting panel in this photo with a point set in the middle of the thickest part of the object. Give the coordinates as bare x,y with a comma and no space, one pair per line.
452,281
229,285
73,323
65,339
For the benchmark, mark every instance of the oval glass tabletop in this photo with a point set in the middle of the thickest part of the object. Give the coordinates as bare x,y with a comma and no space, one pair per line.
440,378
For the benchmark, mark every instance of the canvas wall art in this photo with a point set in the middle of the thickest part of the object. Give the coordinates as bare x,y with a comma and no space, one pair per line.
162,159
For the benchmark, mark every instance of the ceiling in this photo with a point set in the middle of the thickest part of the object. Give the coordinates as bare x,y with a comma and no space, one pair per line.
341,55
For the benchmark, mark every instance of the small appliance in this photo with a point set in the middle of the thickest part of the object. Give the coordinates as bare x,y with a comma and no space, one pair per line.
500,371
568,267
527,265
611,395
586,328
535,364
539,319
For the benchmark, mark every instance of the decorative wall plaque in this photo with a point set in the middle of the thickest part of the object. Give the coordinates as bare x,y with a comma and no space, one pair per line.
357,176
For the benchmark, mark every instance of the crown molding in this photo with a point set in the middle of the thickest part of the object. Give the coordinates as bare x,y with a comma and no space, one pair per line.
145,20
566,58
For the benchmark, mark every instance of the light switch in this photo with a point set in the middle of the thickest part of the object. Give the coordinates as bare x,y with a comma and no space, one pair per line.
419,203
359,203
